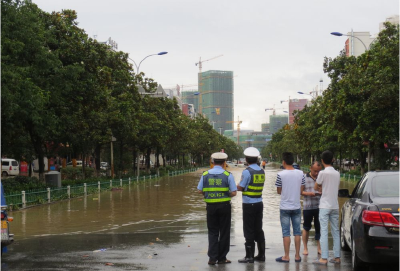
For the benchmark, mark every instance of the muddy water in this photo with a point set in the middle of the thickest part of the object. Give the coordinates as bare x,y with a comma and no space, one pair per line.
170,204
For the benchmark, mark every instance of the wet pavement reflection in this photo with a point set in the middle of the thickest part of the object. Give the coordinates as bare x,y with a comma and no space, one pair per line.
152,225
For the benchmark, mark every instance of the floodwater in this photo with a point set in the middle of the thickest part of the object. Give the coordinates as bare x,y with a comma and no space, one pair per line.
152,225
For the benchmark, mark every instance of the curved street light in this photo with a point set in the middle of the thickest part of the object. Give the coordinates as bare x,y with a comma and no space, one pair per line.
138,66
338,34
137,72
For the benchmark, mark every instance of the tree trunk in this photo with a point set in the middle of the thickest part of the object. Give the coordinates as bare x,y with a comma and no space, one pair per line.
157,158
148,160
121,161
163,158
134,159
84,165
97,151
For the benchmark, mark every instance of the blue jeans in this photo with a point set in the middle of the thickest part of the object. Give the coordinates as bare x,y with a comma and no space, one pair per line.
332,216
286,216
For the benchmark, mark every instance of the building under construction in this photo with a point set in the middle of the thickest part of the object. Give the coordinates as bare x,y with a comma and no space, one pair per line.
276,122
216,98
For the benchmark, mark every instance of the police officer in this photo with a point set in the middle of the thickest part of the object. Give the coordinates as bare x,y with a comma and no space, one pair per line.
251,185
218,186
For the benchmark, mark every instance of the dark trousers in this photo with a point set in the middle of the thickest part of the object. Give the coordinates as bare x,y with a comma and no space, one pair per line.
219,229
308,216
252,223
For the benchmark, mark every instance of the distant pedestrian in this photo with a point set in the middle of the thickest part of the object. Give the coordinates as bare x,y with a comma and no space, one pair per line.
311,199
263,164
218,186
329,180
251,185
290,185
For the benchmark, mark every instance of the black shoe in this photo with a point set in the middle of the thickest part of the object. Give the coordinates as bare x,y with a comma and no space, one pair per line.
212,262
249,258
261,252
224,261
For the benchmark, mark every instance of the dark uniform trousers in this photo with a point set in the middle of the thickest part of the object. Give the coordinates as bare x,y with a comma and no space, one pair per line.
252,223
219,228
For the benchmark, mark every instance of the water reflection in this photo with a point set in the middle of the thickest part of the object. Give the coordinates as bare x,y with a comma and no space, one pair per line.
170,204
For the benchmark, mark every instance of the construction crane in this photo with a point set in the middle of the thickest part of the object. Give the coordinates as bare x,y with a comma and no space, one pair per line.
273,109
238,128
200,64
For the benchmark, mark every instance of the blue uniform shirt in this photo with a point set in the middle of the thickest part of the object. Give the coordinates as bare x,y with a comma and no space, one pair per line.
244,182
219,170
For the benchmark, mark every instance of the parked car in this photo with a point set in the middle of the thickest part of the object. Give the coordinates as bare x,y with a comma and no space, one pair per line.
369,223
78,163
231,164
7,238
104,165
9,167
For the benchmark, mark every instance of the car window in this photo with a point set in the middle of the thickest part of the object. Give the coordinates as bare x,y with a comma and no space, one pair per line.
4,163
385,186
14,163
355,190
361,188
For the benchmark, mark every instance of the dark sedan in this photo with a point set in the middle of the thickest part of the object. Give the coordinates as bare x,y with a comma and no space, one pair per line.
370,219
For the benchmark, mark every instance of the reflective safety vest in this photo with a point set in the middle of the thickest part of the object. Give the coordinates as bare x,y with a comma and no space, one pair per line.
216,187
256,185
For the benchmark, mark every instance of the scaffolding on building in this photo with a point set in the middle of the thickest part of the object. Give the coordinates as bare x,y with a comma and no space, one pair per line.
216,94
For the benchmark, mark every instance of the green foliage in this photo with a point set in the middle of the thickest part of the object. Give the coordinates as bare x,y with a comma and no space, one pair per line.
70,94
21,183
359,108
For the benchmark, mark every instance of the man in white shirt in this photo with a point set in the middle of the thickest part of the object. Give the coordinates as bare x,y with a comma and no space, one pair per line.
329,180
290,185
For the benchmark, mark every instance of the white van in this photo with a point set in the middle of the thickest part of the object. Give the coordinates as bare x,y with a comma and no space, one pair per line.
9,167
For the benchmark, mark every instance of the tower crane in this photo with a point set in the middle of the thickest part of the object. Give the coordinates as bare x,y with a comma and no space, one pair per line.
200,64
238,127
273,109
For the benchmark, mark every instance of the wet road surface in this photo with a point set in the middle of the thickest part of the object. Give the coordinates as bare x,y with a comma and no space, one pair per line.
153,225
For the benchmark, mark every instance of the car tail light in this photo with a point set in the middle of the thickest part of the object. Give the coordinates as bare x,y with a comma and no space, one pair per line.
2,216
389,220
379,219
10,167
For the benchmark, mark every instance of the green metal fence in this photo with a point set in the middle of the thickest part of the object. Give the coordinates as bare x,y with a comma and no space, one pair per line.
343,176
40,196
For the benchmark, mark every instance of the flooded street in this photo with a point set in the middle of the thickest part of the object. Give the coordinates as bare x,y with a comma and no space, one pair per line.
152,225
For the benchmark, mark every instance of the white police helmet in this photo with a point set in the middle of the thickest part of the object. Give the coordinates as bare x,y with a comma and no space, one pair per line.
251,152
219,156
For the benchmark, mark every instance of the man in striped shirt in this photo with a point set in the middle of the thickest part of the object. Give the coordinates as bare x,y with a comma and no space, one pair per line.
311,206
290,185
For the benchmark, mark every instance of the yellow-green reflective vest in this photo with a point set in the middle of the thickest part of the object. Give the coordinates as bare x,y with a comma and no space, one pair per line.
216,187
256,185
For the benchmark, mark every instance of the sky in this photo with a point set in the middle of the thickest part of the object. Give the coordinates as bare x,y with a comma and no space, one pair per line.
274,48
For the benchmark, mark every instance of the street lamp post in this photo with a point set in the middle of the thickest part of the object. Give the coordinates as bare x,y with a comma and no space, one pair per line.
137,72
220,130
138,66
338,34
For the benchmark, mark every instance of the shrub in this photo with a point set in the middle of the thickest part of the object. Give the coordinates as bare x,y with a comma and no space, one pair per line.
22,183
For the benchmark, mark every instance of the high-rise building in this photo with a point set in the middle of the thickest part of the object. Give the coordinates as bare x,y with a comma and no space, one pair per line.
216,94
276,122
295,104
